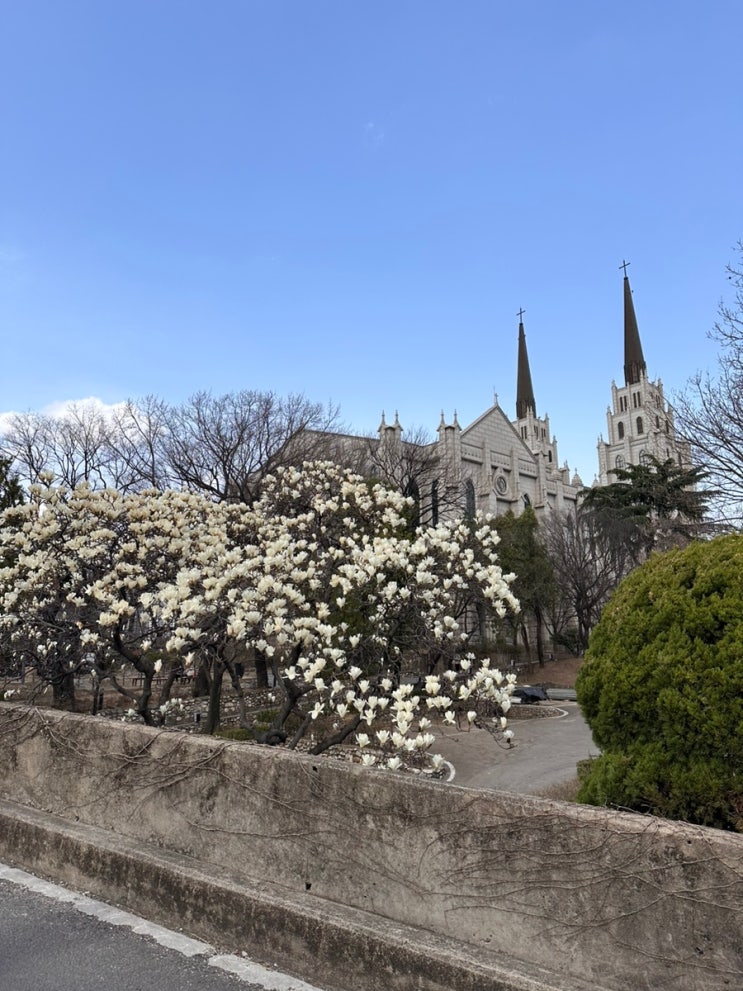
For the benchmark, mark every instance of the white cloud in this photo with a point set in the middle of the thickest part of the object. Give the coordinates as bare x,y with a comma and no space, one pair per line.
60,408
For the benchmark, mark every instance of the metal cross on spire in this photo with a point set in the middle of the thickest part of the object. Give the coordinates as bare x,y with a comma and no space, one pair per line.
624,265
520,314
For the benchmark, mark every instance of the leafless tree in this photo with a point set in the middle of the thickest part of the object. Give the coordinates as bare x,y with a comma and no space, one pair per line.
398,462
73,447
80,452
137,444
410,461
220,446
709,412
224,445
588,565
25,443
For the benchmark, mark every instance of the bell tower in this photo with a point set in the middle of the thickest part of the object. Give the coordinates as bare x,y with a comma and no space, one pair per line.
639,420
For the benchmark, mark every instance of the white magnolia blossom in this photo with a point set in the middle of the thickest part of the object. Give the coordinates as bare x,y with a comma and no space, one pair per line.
87,567
320,575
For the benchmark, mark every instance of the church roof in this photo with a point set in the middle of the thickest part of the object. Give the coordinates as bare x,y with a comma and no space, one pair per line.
496,419
634,361
524,389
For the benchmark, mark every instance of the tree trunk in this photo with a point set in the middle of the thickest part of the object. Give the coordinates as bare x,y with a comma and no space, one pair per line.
201,683
167,688
214,709
540,636
96,704
527,648
63,689
261,670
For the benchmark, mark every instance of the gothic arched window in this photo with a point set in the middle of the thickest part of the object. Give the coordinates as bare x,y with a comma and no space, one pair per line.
639,425
435,502
469,498
620,431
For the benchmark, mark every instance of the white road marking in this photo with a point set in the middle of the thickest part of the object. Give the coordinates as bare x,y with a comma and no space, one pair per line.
246,970
242,967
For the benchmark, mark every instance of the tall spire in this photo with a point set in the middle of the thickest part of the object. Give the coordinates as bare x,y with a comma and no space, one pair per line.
524,390
634,362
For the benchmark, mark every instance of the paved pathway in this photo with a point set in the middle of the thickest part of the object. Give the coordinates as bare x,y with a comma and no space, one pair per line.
54,939
545,752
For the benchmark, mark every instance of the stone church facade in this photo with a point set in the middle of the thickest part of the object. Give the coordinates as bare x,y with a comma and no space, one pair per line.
499,463
514,463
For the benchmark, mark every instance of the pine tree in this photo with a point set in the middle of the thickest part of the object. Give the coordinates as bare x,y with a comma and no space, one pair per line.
651,506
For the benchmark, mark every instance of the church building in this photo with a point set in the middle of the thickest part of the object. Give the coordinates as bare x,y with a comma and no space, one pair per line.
499,464
639,420
495,464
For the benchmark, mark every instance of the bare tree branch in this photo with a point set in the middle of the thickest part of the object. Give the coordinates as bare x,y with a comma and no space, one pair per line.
224,445
709,412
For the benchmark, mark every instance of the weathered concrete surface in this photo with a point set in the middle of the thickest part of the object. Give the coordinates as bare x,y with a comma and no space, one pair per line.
332,945
300,848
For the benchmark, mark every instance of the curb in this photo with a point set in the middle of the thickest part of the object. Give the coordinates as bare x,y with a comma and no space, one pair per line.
333,946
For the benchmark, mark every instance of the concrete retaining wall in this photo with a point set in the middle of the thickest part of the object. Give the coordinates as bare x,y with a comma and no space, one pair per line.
524,886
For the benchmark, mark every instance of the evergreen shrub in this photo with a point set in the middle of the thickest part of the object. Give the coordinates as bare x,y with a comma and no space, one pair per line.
662,689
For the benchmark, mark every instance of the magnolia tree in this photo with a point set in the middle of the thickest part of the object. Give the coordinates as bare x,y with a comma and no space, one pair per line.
79,564
330,588
368,632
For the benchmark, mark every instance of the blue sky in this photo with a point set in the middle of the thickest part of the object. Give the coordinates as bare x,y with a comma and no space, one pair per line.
353,198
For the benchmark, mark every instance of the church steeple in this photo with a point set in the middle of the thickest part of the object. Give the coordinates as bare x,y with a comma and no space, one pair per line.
634,361
524,390
639,421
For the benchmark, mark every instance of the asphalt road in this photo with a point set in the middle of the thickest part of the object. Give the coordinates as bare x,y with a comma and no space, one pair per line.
545,753
52,939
